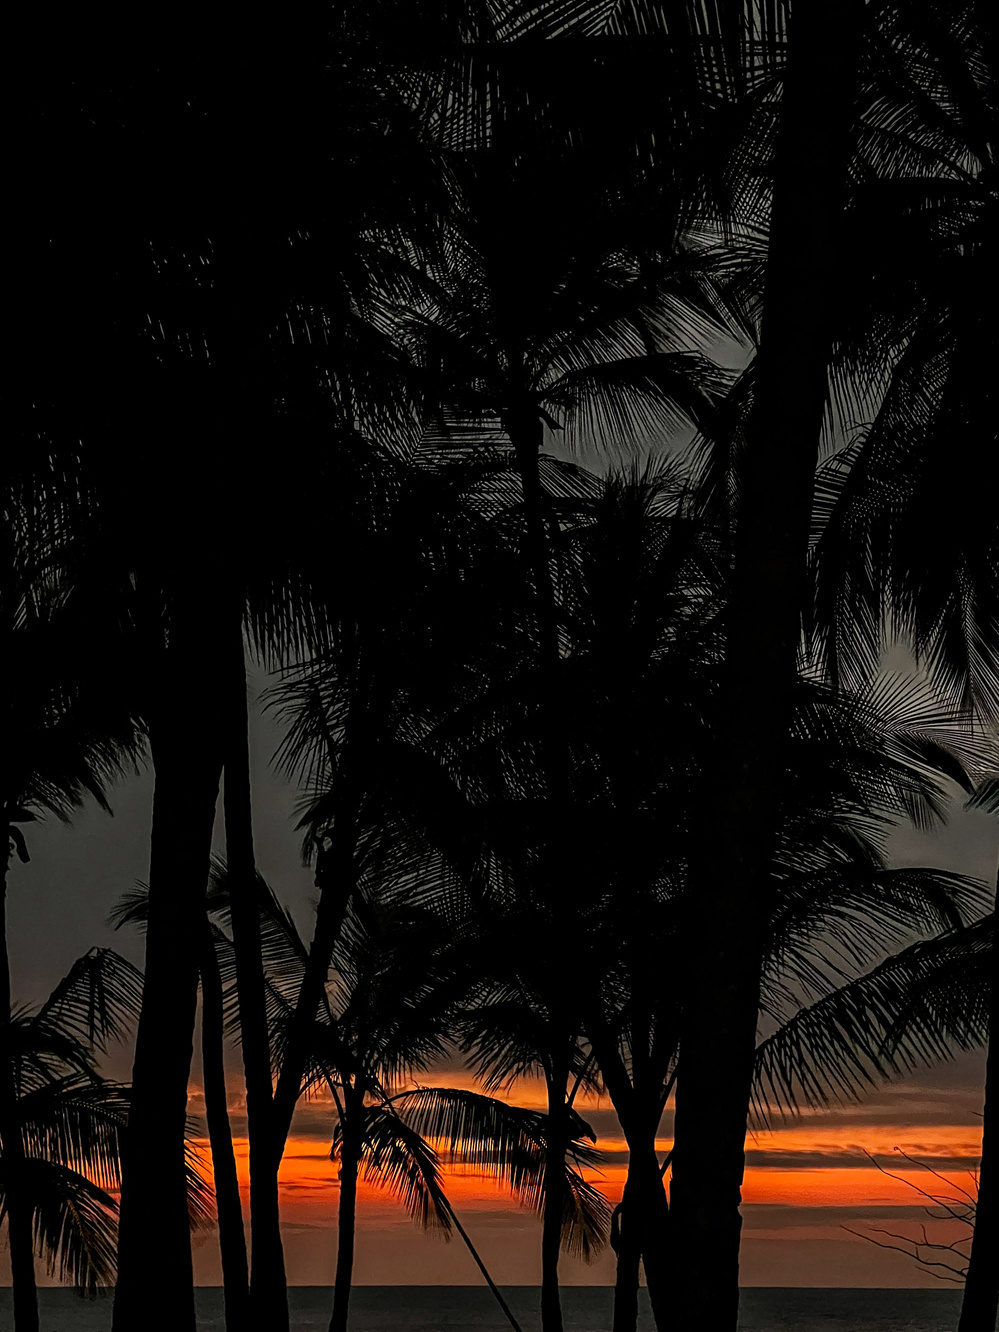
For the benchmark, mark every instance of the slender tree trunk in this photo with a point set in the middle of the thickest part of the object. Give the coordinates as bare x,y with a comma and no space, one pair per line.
776,490
656,1235
268,1283
980,1306
19,1208
644,1221
346,1219
335,874
497,1293
247,306
629,1257
232,1239
527,435
637,1096
554,1182
154,1234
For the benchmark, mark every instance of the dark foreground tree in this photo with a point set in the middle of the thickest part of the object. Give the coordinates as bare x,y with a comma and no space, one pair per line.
133,909
776,479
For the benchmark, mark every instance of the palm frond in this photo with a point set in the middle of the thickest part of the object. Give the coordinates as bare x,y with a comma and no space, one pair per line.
75,1224
912,1010
98,1000
400,1160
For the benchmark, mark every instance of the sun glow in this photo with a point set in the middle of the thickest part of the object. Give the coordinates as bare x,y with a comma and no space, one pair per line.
829,1173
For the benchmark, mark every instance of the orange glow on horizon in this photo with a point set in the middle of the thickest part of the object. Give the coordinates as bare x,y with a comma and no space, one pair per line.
308,1179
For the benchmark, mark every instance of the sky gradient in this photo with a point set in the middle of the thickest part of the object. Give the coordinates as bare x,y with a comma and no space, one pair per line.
804,1181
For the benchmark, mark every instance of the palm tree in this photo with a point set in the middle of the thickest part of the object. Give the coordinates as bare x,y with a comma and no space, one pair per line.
61,1148
70,1122
69,734
176,317
908,61
384,1134
914,1008
133,909
776,478
914,359
522,1020
549,315
644,599
199,347
545,319
981,1288
390,1007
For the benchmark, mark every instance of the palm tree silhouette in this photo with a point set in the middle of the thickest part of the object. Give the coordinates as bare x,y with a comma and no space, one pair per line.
69,734
644,594
71,1124
520,319
133,909
915,345
389,1009
185,329
62,1139
913,1009
775,478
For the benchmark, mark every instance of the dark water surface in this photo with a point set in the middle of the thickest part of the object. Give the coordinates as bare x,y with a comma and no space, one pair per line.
587,1309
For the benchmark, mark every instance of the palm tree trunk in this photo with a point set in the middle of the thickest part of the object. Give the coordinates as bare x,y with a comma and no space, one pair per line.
154,1234
644,1220
629,1257
335,873
232,1239
527,435
268,1282
637,1096
655,1232
980,1306
346,1217
476,1258
554,1186
776,489
19,1209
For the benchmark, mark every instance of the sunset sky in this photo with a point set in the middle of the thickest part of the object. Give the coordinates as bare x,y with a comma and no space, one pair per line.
805,1180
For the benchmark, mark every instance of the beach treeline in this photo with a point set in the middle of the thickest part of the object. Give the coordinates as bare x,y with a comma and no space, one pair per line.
572,405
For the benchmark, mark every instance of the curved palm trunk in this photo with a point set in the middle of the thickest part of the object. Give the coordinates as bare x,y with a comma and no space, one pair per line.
655,1215
187,757
19,1209
629,1257
350,1157
232,1239
638,1097
980,1306
777,481
644,1221
335,874
268,1282
476,1258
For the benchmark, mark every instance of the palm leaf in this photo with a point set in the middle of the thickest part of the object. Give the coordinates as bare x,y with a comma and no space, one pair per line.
912,1010
98,1000
75,1224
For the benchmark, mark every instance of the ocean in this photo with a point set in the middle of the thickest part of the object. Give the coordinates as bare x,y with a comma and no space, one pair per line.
587,1309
